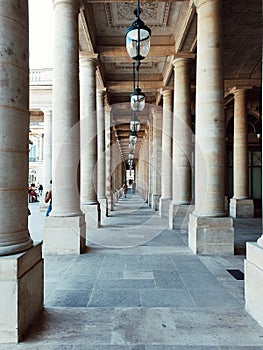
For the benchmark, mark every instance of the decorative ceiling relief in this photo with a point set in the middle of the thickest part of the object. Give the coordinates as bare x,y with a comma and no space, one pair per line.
154,13
126,10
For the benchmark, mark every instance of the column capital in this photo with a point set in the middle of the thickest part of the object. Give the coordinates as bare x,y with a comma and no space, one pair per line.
240,89
182,60
88,57
101,92
166,91
199,3
66,2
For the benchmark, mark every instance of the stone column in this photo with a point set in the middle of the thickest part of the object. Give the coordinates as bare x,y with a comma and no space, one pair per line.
254,274
240,205
108,154
101,153
64,229
150,160
21,263
210,232
167,134
182,144
47,156
157,156
89,151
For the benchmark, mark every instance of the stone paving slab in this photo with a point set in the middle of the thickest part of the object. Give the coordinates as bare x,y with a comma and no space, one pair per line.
154,296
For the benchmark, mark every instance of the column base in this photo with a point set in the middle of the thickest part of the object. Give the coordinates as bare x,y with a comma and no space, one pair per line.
241,208
164,204
150,199
210,235
155,201
179,215
22,293
92,215
64,235
110,202
254,281
103,207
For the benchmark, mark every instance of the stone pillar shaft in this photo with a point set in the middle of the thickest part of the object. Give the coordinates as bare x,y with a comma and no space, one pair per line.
88,130
182,134
47,157
101,143
240,156
210,232
167,134
21,263
108,155
101,153
210,123
157,157
14,112
65,123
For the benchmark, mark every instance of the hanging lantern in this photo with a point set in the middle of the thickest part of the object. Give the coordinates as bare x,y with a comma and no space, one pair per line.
138,37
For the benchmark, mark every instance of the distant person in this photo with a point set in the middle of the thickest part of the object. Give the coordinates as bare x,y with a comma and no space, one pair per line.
133,187
40,189
125,189
48,199
32,193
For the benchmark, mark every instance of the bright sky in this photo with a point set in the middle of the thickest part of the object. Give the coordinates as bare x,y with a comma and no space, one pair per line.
40,33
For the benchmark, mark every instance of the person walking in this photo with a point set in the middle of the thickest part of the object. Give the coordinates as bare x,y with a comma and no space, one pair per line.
125,189
48,199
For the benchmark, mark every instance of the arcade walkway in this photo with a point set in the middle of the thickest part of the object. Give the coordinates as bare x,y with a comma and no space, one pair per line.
139,287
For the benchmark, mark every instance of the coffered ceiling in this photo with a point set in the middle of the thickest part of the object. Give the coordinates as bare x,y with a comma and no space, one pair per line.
174,26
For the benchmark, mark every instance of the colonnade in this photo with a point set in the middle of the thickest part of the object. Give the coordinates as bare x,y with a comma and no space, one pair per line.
82,133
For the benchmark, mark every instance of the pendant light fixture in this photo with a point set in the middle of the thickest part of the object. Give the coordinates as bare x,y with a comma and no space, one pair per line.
138,37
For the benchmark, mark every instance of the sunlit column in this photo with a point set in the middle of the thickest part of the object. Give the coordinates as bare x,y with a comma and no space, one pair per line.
167,133
65,227
240,204
101,152
21,263
209,231
89,150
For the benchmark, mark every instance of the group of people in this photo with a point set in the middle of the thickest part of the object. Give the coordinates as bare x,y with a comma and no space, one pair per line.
33,196
32,193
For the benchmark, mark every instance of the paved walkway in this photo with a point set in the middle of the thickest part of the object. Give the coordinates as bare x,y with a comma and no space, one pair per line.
139,287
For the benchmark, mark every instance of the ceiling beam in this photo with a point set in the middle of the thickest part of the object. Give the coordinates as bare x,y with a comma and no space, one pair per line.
119,53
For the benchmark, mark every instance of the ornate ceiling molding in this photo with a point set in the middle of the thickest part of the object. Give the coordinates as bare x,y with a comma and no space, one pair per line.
152,12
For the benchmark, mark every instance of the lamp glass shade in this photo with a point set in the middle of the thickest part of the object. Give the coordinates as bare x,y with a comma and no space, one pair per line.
133,137
131,146
135,125
137,100
138,40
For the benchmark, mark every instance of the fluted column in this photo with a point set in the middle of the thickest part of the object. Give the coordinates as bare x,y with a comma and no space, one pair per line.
167,134
209,231
66,218
108,154
89,150
240,205
101,153
182,143
21,263
157,156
